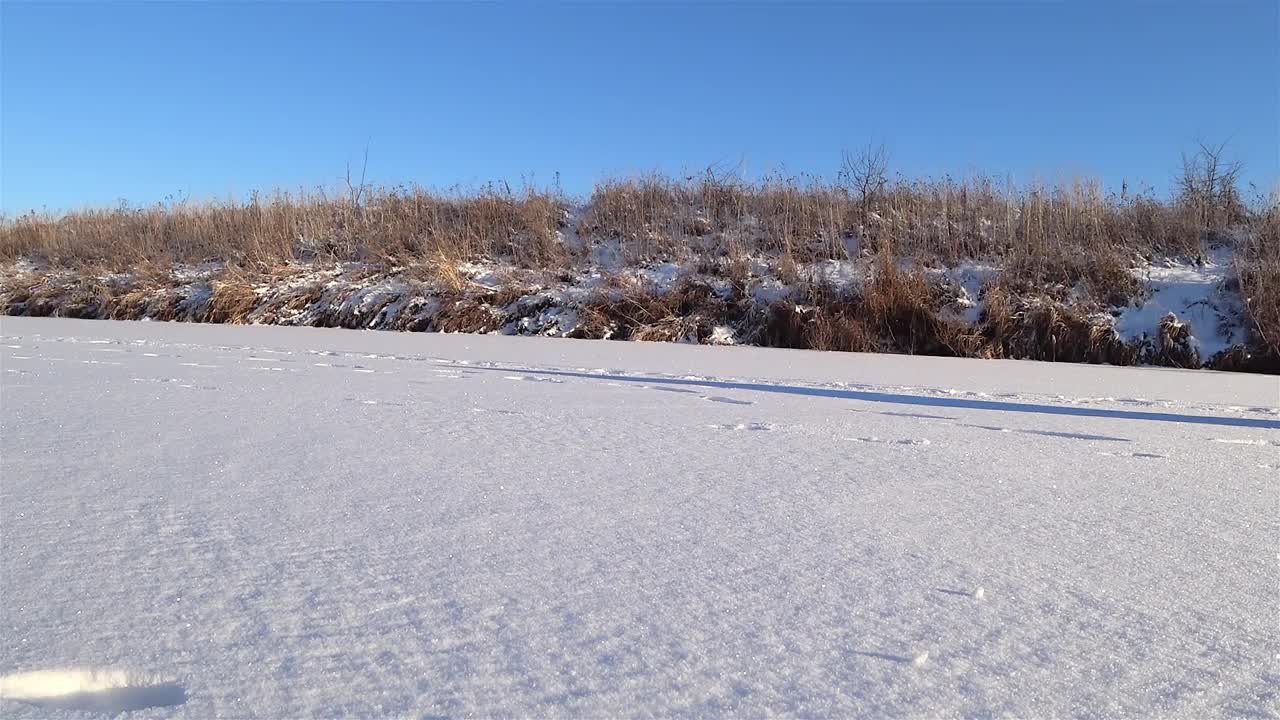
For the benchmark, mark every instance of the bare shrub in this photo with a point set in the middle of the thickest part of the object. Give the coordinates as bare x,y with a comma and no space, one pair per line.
1208,185
866,175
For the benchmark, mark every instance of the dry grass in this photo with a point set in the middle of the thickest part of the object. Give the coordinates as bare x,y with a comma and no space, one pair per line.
1258,271
1052,243
231,302
395,226
1065,234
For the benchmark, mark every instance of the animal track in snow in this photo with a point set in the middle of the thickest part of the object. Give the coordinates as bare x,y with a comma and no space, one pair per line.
527,378
110,692
885,441
1133,454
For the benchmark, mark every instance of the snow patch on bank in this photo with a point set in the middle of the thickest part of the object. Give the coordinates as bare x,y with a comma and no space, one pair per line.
968,279
1196,294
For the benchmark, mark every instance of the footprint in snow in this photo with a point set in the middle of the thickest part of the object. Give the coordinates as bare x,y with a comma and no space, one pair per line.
916,660
885,441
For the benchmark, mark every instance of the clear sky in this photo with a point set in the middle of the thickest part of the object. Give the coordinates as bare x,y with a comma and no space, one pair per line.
112,101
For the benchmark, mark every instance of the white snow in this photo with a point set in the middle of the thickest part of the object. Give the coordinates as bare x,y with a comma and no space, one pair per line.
722,335
840,275
632,529
968,278
108,692
1195,294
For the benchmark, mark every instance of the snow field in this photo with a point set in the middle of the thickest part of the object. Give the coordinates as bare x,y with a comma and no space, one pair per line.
278,522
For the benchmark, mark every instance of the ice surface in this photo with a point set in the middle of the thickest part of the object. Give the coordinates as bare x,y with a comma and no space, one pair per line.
201,521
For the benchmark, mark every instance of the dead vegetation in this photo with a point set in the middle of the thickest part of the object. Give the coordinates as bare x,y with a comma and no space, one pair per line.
1054,245
1258,273
1065,233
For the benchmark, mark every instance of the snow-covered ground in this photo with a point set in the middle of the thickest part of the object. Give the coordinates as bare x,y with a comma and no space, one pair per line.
218,521
1194,294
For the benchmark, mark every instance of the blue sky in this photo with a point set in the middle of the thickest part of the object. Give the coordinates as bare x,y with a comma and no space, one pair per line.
110,101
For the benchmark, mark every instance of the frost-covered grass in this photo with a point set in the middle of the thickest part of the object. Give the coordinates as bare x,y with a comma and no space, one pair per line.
216,521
